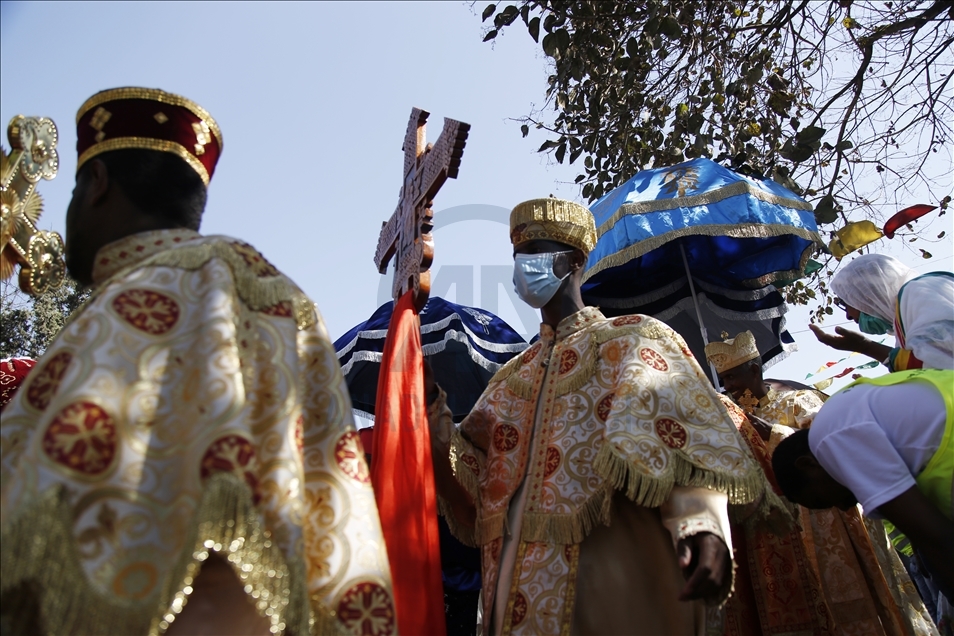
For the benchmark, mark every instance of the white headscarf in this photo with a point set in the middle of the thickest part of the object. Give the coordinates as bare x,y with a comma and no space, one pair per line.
871,283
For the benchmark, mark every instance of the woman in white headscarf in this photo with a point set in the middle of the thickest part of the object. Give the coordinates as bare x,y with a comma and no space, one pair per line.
883,295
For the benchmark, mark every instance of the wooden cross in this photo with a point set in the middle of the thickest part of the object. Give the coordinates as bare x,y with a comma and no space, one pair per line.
406,236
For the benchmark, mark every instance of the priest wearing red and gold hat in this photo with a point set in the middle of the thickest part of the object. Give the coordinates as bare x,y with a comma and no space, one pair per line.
182,459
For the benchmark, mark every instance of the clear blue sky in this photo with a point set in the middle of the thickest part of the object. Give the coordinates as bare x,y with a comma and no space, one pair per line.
313,100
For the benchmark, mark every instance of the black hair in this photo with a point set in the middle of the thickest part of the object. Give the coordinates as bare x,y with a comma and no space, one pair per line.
788,476
159,183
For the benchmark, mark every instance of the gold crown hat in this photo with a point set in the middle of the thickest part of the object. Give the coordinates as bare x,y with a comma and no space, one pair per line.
553,220
733,352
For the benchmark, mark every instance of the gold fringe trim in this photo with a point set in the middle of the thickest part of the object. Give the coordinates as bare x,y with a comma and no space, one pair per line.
583,373
520,388
508,369
741,230
258,293
564,529
489,528
652,491
461,532
39,550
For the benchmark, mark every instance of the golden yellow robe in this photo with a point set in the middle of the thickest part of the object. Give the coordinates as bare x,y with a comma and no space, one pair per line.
588,457
193,405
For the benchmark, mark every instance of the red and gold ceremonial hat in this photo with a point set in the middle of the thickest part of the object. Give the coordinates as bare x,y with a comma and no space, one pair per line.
149,119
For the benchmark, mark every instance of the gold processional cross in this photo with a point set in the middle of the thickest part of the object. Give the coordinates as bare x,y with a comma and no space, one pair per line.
406,236
39,253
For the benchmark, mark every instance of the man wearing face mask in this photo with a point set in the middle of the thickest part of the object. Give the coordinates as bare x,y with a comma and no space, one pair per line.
883,295
595,469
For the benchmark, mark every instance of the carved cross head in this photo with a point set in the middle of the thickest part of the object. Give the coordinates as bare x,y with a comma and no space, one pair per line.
406,236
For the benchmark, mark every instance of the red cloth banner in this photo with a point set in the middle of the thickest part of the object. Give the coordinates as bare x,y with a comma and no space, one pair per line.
403,477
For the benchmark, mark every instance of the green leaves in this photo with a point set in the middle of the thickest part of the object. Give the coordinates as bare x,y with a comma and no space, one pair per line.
488,11
554,44
825,210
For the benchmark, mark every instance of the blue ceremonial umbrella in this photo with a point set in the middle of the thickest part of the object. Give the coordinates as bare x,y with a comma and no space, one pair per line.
464,345
667,231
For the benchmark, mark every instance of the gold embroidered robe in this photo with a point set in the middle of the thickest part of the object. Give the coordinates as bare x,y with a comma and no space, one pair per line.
795,409
194,404
600,421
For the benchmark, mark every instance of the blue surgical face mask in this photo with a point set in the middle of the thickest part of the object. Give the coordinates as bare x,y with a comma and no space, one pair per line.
873,325
533,278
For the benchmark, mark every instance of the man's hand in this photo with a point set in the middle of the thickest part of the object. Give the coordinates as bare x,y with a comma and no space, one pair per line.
706,564
763,428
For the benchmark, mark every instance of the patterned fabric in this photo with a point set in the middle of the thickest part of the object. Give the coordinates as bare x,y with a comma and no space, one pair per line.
594,406
795,409
13,371
864,589
193,405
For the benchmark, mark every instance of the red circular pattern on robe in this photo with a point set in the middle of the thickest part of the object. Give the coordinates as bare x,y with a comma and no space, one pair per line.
627,320
506,438
604,406
568,360
519,609
530,354
82,437
671,433
232,454
147,310
349,453
367,609
553,461
44,384
653,359
256,262
471,462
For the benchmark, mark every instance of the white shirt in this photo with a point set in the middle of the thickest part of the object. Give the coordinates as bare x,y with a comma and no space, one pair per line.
875,440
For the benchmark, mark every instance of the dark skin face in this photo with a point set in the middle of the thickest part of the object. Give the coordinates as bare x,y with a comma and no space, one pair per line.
747,375
912,512
567,301
99,213
819,490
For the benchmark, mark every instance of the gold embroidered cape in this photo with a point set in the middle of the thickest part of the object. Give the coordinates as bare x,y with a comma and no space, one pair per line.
597,406
795,409
194,404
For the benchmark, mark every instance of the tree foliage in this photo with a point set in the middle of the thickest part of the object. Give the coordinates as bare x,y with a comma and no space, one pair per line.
841,101
28,325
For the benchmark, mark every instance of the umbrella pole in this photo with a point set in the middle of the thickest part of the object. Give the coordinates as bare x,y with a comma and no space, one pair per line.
695,303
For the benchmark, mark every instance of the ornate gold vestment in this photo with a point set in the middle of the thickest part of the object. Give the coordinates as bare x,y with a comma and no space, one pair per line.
595,408
193,405
795,409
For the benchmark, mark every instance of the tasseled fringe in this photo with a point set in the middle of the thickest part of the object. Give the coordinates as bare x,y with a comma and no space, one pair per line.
489,528
652,491
581,375
649,328
461,532
520,388
563,529
39,551
257,292
507,369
